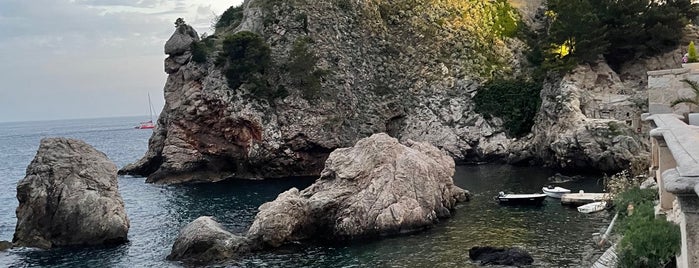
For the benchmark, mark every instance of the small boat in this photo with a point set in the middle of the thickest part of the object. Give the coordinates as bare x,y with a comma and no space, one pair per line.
555,192
147,124
593,207
520,199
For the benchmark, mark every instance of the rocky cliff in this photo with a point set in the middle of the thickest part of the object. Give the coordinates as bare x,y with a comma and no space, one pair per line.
339,71
281,84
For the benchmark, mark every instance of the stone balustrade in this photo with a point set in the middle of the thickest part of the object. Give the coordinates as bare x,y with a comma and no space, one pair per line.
675,165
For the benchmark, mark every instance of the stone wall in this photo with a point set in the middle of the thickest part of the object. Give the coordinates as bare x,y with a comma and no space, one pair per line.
665,86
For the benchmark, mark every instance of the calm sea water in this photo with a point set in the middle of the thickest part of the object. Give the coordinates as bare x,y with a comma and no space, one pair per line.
555,235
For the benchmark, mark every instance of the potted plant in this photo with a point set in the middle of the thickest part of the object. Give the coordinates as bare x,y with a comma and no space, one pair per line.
692,118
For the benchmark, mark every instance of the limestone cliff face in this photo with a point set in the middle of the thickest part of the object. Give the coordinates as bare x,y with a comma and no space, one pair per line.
407,71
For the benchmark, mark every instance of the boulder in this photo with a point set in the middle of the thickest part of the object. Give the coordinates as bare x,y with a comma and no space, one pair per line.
500,256
69,197
5,245
181,40
204,240
378,187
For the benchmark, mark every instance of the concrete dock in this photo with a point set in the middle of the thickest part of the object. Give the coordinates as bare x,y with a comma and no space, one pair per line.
577,199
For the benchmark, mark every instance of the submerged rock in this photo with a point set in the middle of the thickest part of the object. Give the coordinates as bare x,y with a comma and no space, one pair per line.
378,187
500,256
5,245
69,197
204,240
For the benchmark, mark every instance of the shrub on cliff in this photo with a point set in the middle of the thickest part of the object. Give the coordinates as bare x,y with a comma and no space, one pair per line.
692,53
515,101
302,69
247,58
233,16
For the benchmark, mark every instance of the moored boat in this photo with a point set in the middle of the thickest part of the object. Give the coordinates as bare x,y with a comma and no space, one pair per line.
593,207
520,199
555,192
147,124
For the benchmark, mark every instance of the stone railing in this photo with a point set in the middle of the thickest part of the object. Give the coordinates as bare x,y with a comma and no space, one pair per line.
675,165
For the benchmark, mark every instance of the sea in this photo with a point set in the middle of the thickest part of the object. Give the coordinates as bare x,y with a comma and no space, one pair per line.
555,235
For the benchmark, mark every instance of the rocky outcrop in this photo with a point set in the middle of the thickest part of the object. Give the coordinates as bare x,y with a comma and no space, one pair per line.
204,241
500,256
69,197
373,67
379,187
568,131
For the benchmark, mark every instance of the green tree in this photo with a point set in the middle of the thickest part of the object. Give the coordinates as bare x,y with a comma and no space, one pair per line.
575,31
692,51
247,60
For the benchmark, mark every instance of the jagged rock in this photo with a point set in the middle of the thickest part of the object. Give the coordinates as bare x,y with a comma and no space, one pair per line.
5,245
564,136
181,41
378,187
500,256
204,241
69,197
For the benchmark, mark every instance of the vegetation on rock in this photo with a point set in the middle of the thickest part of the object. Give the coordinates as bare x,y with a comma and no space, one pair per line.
247,58
515,101
232,17
302,69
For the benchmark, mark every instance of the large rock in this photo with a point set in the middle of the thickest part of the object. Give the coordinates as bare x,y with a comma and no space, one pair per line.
204,240
378,187
181,41
569,132
402,74
69,197
500,256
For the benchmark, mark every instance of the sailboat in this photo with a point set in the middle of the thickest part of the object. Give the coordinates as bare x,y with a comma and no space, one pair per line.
147,124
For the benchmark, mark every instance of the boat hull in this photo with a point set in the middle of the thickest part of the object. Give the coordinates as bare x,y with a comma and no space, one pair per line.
592,207
557,192
528,201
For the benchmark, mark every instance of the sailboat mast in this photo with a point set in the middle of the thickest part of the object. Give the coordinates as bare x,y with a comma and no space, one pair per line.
150,107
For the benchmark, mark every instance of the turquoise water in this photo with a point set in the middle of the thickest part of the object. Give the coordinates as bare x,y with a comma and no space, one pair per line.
555,235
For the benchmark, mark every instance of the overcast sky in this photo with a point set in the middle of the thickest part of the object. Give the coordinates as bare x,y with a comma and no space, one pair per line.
65,59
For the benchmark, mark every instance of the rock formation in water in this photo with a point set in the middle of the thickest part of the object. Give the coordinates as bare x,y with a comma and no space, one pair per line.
338,72
378,187
500,256
204,240
69,197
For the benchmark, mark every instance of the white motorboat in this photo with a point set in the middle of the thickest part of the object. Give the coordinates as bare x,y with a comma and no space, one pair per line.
593,207
555,192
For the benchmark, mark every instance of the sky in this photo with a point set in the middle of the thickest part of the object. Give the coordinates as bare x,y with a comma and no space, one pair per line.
67,59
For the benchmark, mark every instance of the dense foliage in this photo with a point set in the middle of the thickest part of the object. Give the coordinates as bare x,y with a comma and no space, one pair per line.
647,241
692,52
515,101
247,58
233,16
580,30
302,69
